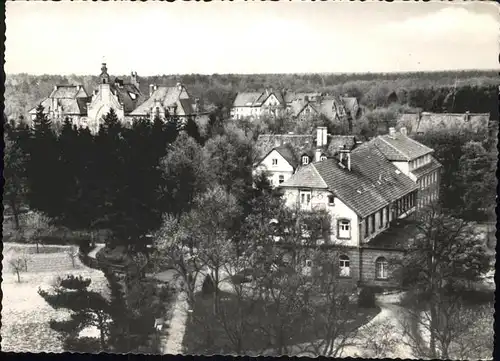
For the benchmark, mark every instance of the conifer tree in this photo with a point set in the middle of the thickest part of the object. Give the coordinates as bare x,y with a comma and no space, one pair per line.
42,165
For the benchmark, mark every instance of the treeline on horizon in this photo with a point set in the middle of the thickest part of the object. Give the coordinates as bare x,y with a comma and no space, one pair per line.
425,90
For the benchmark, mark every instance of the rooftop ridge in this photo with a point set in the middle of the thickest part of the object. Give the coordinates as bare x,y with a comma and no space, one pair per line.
393,147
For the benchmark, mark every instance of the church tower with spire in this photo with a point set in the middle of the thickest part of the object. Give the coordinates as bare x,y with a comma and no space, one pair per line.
104,98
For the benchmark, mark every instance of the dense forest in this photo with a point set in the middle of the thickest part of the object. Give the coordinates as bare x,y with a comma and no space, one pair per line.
475,91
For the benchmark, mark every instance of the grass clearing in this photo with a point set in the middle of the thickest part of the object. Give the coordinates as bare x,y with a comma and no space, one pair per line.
25,315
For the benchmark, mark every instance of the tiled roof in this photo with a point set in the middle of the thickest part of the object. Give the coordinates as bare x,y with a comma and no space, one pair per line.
253,99
129,95
340,141
187,105
72,98
399,147
246,99
329,106
299,143
426,121
440,121
68,92
306,177
76,106
351,105
297,106
372,183
433,165
167,96
409,120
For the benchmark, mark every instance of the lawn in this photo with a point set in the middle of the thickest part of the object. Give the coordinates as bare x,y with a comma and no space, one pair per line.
205,333
25,315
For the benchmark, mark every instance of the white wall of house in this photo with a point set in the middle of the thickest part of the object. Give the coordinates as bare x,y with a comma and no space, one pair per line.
275,165
338,210
404,167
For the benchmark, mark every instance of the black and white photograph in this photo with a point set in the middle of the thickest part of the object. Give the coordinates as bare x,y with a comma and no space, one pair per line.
259,178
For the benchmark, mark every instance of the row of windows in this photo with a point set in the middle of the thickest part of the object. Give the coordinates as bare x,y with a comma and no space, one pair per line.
381,267
305,197
417,163
427,180
381,217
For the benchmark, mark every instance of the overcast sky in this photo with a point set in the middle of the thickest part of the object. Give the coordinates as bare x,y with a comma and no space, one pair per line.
249,37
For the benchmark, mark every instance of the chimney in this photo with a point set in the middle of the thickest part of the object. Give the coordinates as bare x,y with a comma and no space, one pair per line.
345,157
55,87
403,131
321,135
151,89
134,80
392,131
179,86
317,155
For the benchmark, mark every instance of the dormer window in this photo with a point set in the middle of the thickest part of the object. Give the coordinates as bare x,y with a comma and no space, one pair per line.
305,160
323,157
132,96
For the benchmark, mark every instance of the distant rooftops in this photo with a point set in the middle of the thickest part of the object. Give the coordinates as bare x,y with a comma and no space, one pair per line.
423,122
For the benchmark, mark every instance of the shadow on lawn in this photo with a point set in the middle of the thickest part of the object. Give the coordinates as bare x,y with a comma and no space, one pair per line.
208,334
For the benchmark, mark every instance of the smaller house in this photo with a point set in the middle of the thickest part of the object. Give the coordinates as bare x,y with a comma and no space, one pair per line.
281,155
424,122
330,107
256,104
352,107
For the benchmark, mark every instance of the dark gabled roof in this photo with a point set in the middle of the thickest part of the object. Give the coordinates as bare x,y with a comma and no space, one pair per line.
287,152
429,167
399,147
372,183
187,105
128,95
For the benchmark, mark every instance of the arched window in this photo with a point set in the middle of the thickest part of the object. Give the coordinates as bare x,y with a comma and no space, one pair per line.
381,268
345,267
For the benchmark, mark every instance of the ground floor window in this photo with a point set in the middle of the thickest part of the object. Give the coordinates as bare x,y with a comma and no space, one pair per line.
381,266
345,268
281,179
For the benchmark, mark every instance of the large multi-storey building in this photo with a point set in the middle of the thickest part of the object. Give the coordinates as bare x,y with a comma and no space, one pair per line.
366,190
125,98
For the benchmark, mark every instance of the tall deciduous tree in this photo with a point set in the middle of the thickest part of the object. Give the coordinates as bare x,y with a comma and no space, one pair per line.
444,256
185,174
